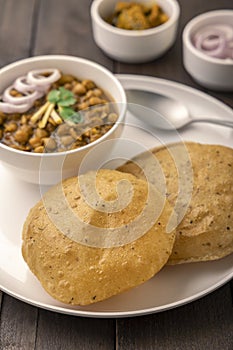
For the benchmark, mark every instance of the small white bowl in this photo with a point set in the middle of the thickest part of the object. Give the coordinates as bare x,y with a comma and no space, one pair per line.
49,168
210,72
134,46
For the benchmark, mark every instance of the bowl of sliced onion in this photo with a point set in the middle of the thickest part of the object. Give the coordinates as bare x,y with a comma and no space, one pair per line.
208,49
55,112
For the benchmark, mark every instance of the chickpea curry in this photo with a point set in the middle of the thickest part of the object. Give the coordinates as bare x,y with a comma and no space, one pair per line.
48,111
137,16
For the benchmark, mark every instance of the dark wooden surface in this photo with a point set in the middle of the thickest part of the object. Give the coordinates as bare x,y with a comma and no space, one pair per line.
34,27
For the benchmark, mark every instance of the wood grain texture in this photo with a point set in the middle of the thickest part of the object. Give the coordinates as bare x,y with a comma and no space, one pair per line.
16,21
18,325
204,324
68,32
56,331
231,288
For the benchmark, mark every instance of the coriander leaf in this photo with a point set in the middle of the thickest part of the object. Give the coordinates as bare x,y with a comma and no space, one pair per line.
66,112
53,96
65,92
66,97
70,115
67,102
76,118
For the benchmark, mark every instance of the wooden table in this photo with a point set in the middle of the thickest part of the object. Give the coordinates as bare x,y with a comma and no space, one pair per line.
35,27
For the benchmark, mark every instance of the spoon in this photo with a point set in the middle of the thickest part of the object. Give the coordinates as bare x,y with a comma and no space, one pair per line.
164,112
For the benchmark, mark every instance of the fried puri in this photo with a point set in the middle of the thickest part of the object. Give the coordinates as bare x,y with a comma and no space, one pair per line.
97,235
205,230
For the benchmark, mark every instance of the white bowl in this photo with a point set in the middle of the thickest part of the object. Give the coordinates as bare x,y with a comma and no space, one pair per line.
134,46
49,168
213,73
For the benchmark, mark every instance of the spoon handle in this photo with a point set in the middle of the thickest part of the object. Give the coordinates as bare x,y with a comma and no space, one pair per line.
227,123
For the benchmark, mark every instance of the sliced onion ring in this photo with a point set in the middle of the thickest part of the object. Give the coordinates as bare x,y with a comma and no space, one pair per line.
226,29
210,43
36,77
8,108
219,51
43,88
33,86
215,40
22,85
29,98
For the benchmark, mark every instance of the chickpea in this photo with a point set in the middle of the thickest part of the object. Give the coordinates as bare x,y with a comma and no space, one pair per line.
74,82
2,118
97,92
50,128
83,105
39,149
35,141
11,127
65,78
112,117
27,128
20,147
79,89
104,101
89,94
68,86
63,130
73,133
89,84
23,134
67,140
95,101
50,144
15,93
41,133
23,119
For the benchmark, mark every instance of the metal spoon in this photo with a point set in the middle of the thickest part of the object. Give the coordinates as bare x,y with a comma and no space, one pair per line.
163,112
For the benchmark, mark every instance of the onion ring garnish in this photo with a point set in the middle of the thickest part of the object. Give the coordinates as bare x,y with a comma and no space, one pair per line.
37,78
33,86
23,86
8,108
29,98
219,50
215,41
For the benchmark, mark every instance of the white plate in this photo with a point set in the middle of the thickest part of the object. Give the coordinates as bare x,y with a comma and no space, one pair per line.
171,287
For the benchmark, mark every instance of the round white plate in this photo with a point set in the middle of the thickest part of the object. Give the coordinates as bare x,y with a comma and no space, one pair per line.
171,287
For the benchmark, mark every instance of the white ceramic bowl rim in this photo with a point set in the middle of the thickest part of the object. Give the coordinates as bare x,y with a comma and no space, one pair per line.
132,33
69,58
187,32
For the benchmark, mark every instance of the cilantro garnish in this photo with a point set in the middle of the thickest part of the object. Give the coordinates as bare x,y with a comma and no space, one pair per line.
64,98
